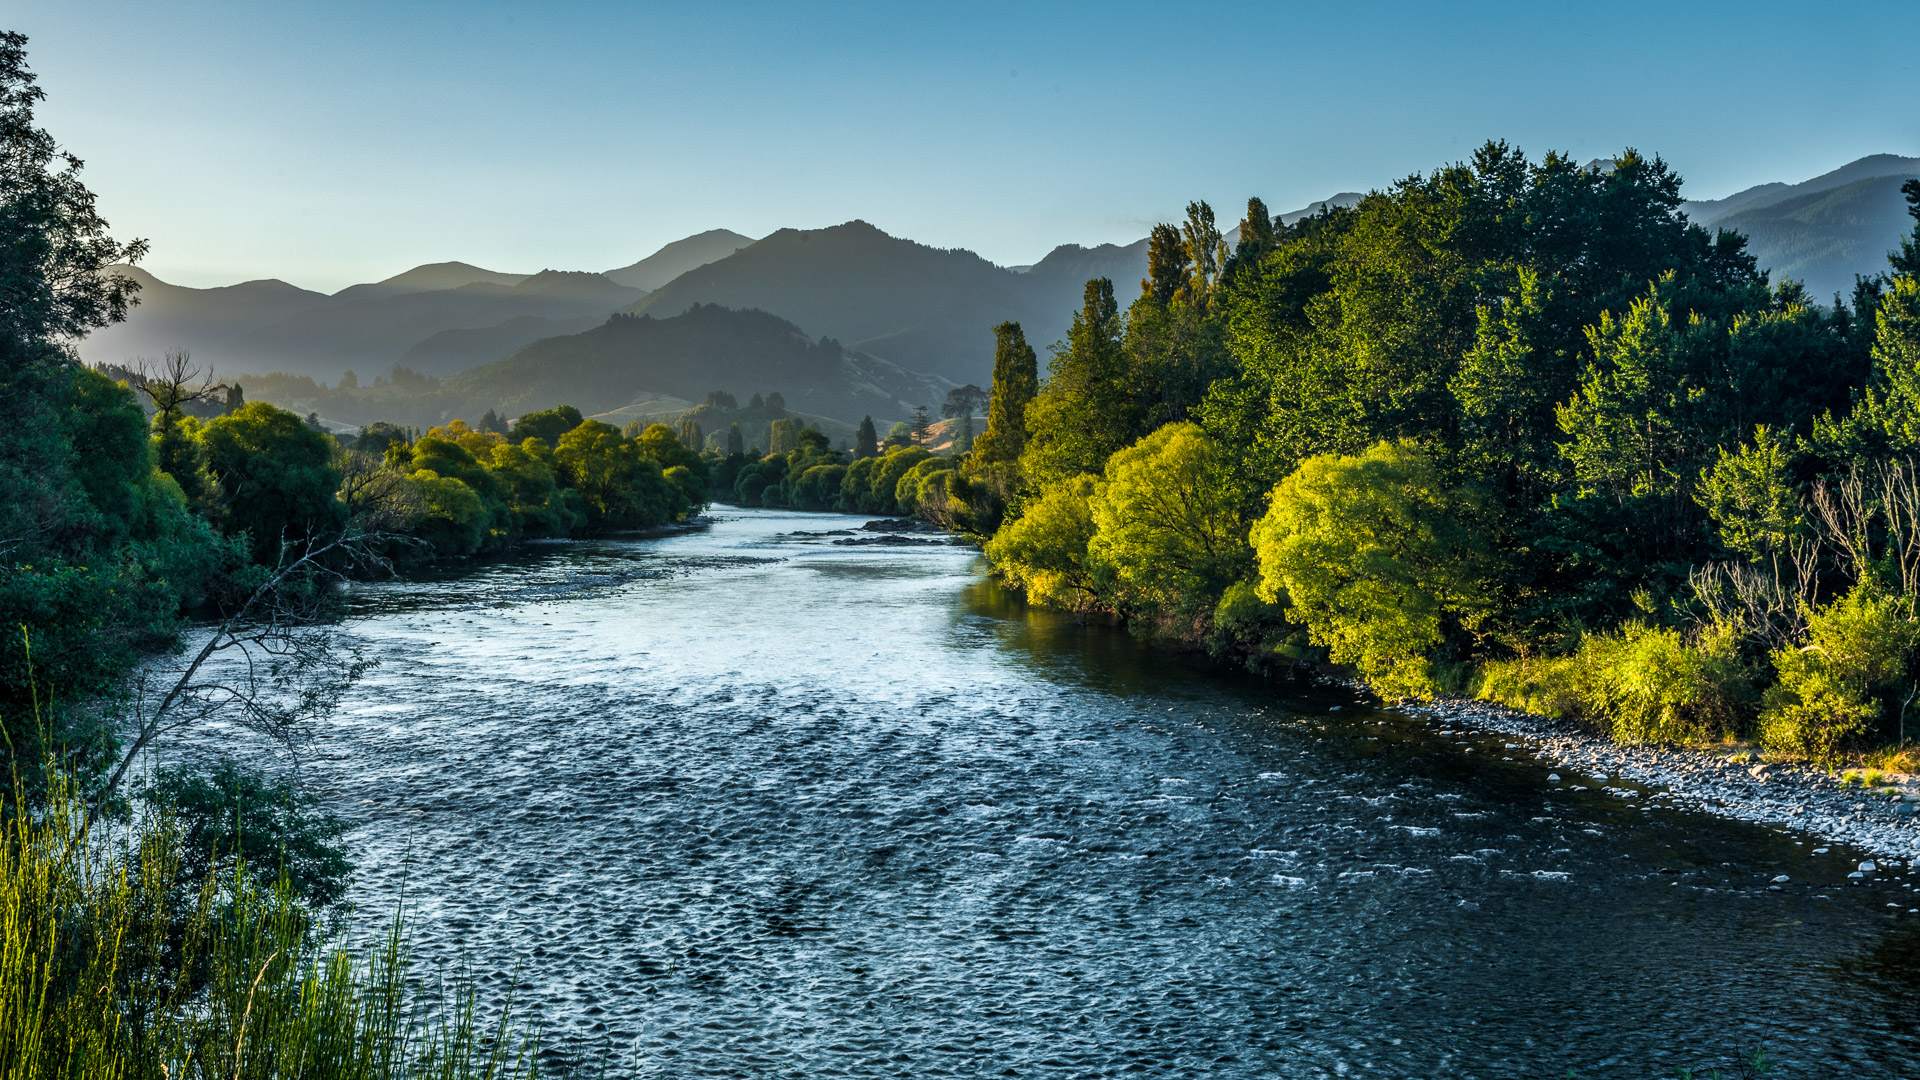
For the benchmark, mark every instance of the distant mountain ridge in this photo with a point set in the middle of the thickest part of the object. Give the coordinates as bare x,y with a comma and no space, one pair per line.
927,309
631,358
1824,231
679,257
437,318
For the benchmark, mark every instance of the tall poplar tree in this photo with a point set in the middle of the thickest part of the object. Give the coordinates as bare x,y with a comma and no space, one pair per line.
866,441
1016,378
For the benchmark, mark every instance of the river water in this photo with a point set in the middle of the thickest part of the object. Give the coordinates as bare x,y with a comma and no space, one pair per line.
743,801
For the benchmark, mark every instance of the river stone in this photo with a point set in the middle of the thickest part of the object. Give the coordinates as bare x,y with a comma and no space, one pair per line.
1867,867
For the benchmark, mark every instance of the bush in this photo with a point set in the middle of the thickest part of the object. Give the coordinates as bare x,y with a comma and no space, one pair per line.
1641,684
1166,531
1829,689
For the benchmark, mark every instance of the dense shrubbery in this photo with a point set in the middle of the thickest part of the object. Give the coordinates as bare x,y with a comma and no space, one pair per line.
1515,427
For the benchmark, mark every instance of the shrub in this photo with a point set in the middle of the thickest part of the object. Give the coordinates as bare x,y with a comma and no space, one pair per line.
1828,689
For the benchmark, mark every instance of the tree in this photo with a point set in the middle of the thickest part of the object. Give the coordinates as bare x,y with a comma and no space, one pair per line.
1906,260
1377,555
622,486
736,442
962,402
776,402
1166,531
1088,409
275,481
1205,253
1016,378
919,425
547,425
689,433
172,385
1168,263
349,381
1043,552
783,435
721,400
866,441
492,423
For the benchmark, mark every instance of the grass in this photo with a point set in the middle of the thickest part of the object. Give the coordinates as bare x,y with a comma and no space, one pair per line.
112,967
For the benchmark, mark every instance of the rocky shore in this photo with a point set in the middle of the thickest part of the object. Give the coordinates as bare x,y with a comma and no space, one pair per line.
1880,819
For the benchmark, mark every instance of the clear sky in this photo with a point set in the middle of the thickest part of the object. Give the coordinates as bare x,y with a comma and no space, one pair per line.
328,143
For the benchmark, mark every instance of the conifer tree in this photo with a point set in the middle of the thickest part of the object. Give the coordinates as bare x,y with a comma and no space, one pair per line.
736,442
960,405
866,441
920,425
1016,377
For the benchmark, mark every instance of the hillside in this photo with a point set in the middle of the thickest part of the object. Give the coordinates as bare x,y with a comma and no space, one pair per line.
206,321
1824,231
679,257
631,359
924,308
372,334
1827,237
437,318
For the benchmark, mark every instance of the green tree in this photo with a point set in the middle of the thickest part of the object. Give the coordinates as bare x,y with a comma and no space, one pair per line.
737,443
961,404
275,479
1016,378
1087,410
1043,552
866,441
919,425
782,437
1377,554
547,425
622,486
1166,531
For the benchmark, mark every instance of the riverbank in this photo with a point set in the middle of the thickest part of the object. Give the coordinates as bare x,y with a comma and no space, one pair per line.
1795,796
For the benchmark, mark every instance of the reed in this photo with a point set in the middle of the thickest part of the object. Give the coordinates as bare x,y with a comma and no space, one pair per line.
111,967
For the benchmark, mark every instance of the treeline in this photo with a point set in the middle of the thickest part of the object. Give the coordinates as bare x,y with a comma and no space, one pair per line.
1511,428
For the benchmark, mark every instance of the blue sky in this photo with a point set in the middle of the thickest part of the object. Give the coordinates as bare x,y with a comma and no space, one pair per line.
328,143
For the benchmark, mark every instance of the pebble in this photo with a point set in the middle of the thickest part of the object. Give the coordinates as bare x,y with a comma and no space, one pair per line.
1812,803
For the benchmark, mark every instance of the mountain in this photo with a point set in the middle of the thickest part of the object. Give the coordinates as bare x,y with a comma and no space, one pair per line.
679,257
1711,211
1343,200
1824,231
437,318
1824,238
637,358
203,321
430,277
924,308
373,333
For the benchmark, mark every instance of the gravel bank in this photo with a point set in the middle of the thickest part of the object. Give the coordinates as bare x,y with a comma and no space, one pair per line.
1803,798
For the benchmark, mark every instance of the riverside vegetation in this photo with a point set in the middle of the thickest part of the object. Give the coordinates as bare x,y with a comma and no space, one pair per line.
1513,429
1510,427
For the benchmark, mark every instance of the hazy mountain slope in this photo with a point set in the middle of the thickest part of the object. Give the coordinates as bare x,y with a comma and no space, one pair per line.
1713,211
203,321
457,350
1824,238
923,308
370,335
430,277
679,257
632,358
1344,199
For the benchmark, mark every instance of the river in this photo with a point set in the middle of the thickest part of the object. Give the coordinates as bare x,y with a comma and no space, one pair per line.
743,801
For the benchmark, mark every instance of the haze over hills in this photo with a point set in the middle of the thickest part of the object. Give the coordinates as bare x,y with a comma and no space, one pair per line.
1824,231
679,257
924,308
437,318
